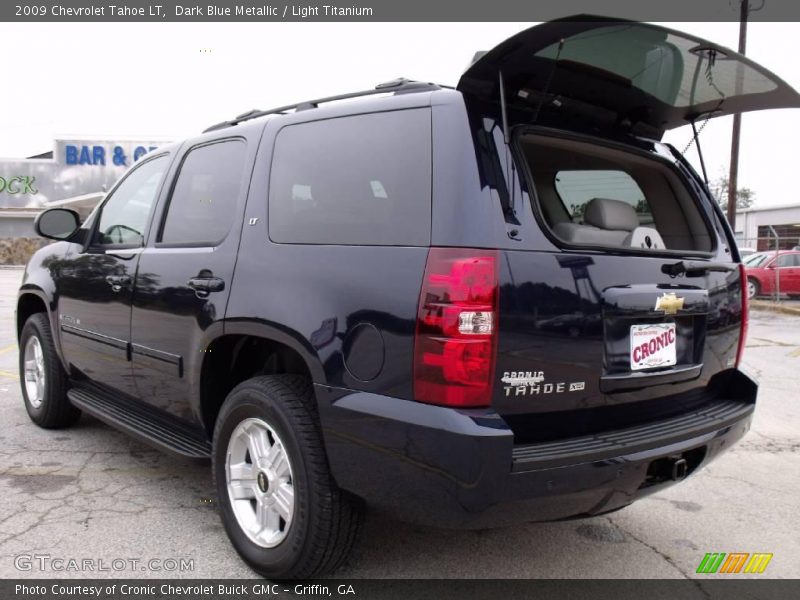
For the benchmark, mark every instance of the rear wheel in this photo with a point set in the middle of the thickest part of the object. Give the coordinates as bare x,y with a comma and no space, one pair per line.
278,502
753,288
43,380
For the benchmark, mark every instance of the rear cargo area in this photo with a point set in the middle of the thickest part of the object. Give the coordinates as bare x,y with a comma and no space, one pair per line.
607,328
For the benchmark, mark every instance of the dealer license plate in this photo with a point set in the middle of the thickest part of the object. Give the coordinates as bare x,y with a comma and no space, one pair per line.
653,346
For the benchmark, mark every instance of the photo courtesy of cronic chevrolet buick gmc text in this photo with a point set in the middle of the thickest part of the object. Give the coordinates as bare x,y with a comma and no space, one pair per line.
503,302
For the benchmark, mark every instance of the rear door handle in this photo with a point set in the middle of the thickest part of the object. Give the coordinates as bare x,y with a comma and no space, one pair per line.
204,285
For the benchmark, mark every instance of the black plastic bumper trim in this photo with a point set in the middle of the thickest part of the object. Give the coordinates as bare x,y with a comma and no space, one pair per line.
715,416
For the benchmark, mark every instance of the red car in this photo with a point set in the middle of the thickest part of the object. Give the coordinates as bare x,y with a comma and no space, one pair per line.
768,270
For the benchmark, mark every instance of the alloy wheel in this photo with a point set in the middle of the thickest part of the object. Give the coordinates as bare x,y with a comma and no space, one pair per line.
260,482
34,372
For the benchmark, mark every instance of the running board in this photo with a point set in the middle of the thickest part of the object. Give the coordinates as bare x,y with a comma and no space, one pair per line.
140,423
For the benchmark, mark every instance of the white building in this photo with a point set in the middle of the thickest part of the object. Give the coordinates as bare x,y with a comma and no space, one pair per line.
757,227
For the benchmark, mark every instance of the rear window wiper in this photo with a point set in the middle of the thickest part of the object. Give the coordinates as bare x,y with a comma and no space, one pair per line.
692,268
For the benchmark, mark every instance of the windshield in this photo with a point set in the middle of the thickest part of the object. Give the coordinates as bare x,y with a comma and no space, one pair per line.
676,70
755,260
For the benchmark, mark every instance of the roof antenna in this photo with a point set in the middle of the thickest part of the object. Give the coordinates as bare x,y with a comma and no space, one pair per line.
549,81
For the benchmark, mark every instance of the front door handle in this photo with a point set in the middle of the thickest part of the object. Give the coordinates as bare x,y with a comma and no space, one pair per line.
202,286
117,281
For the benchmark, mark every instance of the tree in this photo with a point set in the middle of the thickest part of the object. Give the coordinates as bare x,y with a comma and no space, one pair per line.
642,207
745,197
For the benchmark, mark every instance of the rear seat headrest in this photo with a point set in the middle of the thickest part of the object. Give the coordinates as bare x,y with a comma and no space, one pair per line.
606,213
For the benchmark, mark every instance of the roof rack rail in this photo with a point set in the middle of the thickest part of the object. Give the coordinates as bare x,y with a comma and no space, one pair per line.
397,86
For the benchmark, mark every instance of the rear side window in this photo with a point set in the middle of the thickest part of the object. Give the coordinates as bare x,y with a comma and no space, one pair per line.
205,195
594,195
358,180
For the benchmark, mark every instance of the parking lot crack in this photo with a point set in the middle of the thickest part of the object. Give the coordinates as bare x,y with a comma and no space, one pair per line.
665,557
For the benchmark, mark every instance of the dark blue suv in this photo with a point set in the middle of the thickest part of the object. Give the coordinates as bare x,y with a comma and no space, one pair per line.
503,302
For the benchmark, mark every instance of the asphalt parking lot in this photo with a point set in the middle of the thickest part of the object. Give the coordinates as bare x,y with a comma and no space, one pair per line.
92,493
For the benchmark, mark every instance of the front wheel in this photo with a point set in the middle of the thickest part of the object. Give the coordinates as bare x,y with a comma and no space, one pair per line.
278,502
753,288
43,380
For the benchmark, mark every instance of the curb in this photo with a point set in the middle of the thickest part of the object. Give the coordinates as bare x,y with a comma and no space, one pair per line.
775,307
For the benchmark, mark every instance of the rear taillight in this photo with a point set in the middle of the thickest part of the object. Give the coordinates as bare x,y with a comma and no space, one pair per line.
745,314
456,336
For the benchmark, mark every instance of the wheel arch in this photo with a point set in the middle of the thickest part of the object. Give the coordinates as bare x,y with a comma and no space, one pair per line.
758,282
31,300
246,349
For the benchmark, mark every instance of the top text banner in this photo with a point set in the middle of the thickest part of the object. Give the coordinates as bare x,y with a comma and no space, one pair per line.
391,10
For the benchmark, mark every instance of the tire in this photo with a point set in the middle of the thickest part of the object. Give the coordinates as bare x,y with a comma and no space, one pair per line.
324,521
753,288
45,397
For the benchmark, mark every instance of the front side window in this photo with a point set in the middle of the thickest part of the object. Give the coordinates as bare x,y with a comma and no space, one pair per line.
203,202
124,216
360,180
786,260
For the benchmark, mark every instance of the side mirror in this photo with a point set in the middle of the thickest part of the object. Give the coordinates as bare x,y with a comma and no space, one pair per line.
57,223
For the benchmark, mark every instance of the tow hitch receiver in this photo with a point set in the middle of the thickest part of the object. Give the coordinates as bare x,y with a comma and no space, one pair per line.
679,469
673,468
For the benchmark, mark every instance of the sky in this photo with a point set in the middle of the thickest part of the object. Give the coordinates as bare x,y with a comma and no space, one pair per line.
171,80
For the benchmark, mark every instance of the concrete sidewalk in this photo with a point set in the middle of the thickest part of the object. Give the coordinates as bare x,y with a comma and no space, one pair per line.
785,307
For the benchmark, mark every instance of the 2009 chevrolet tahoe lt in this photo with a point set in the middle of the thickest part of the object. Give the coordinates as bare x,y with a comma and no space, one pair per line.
505,301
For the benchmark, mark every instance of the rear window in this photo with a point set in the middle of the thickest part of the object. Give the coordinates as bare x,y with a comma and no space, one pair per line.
357,180
677,70
594,195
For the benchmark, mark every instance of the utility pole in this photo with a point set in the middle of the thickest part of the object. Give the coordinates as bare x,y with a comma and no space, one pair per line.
733,177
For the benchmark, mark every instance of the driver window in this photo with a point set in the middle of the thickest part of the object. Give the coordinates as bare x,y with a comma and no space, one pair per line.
124,216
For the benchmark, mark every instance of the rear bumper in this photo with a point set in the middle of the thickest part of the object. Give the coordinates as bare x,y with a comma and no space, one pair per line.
450,468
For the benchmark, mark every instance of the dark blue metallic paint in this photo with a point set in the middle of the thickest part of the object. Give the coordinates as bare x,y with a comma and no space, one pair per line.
425,463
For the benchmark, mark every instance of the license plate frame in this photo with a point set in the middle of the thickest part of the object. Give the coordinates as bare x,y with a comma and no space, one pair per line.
653,345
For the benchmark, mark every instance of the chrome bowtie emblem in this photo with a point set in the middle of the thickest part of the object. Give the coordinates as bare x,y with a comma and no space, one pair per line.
669,303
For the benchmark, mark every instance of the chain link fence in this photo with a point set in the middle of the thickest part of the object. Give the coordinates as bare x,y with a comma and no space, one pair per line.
774,272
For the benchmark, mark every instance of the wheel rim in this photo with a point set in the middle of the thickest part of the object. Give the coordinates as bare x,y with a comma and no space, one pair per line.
751,289
260,482
34,372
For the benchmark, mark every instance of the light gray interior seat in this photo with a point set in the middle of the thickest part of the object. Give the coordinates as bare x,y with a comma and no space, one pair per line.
644,237
605,221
